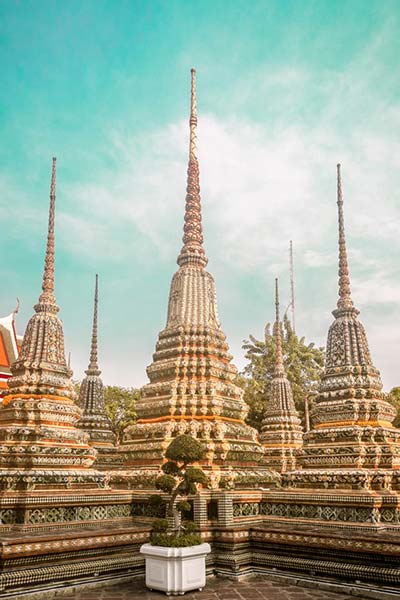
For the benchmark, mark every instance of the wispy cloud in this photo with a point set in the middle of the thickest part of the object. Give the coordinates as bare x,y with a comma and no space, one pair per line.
264,181
259,189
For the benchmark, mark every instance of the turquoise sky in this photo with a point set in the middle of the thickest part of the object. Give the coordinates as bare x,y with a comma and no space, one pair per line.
285,90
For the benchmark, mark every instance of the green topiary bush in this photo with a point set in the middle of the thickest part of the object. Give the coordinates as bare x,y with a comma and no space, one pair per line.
173,540
160,526
179,480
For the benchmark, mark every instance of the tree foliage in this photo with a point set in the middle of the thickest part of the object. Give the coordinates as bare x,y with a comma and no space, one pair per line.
184,449
394,398
120,408
76,386
303,364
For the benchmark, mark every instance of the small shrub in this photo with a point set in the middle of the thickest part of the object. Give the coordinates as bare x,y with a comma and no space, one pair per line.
173,540
166,483
185,449
179,479
160,525
190,527
183,506
156,500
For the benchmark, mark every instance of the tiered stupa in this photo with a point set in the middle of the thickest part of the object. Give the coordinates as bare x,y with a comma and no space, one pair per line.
192,385
94,419
40,445
352,443
281,432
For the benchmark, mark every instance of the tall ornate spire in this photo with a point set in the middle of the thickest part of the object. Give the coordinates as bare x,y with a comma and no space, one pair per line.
279,369
344,300
193,118
41,364
93,368
45,443
281,433
94,420
350,419
192,252
47,295
192,386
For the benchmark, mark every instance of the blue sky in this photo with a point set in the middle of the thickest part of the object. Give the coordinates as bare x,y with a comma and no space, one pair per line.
285,91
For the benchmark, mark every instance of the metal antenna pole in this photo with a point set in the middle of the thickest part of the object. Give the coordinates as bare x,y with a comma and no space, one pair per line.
292,284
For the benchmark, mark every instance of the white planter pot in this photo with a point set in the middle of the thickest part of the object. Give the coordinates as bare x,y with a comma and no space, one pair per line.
175,570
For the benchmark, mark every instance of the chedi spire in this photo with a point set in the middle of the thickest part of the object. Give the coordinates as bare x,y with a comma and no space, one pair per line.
93,366
40,406
192,252
47,295
344,300
91,399
350,419
279,370
192,387
281,433
41,366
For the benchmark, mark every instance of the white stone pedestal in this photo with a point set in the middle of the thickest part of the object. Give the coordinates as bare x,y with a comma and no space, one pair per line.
175,570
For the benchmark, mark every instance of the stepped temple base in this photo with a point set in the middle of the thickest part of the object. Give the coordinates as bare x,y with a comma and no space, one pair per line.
306,550
352,536
45,561
58,539
250,532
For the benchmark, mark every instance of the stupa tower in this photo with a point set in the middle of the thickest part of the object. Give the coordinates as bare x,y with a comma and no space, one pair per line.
352,429
192,385
94,419
281,433
39,439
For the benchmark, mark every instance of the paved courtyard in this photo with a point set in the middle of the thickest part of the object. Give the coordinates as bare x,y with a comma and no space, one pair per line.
216,589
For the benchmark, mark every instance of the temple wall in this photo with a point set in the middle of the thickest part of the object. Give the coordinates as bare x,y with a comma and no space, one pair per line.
247,537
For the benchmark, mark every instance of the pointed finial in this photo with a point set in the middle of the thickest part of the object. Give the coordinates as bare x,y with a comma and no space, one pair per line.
47,295
192,252
279,369
16,309
344,300
93,366
193,118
